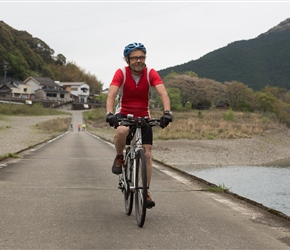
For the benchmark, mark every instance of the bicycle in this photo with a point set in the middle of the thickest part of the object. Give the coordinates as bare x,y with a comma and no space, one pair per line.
133,180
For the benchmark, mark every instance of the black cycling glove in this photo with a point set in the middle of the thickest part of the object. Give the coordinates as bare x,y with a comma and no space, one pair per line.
112,119
166,118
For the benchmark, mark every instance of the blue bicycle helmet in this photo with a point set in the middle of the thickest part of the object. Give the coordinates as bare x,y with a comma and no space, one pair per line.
134,46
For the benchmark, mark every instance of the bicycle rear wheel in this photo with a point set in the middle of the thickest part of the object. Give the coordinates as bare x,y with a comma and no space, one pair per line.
141,188
128,194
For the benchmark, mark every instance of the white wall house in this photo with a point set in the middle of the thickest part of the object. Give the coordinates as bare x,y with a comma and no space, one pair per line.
80,91
37,82
20,90
32,85
15,89
53,94
45,88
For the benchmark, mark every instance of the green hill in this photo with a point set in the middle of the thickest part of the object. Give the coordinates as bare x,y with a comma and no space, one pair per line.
258,62
22,55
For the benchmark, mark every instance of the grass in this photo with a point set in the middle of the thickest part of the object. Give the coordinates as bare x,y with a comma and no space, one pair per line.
57,125
193,125
53,127
218,189
212,125
27,110
198,125
9,155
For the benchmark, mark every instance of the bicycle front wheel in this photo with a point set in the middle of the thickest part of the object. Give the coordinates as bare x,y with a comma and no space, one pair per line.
141,188
128,194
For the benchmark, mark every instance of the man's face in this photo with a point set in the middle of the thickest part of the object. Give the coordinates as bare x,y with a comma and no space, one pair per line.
137,60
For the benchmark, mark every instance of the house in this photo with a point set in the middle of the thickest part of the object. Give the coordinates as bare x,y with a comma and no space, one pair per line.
45,88
13,89
80,91
52,94
37,82
222,104
5,90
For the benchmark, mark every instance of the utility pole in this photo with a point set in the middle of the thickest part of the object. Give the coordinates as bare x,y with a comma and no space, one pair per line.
5,71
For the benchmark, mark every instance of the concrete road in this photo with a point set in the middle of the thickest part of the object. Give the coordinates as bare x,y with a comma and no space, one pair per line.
63,196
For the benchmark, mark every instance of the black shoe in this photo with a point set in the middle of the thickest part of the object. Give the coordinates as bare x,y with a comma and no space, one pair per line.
150,202
117,166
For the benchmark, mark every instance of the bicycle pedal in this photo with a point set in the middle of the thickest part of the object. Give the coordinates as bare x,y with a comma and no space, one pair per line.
121,186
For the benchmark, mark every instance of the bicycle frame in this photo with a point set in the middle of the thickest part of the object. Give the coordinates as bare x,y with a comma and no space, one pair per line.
135,145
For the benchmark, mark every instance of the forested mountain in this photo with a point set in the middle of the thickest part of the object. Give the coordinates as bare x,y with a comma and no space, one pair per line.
257,62
22,55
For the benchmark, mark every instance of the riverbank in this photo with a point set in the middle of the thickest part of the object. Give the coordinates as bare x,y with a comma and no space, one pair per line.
272,148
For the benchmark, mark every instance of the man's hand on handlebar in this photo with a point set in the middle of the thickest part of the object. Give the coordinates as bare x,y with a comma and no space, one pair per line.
112,120
166,118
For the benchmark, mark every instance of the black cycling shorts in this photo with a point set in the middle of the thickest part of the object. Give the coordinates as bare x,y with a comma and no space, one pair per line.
147,134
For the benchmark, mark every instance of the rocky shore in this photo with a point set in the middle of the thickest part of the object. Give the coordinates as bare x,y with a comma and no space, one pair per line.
272,148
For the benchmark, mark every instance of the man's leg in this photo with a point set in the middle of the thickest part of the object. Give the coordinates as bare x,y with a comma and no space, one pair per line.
148,149
120,143
120,139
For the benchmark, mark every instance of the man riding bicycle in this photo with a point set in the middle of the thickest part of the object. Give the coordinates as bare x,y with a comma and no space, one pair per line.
133,85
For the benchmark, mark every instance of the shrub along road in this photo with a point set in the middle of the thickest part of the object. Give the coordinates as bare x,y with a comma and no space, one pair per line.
63,196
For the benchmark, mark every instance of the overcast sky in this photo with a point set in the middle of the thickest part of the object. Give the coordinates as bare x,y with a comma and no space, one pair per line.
93,34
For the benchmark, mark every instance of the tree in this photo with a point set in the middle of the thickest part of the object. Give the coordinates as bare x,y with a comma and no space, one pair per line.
190,73
174,96
195,90
70,72
266,102
44,50
19,68
60,59
278,92
239,96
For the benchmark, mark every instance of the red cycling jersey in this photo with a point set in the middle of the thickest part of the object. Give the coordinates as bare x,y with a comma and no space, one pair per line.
135,96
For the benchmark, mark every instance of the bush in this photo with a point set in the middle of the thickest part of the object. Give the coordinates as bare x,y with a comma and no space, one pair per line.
229,115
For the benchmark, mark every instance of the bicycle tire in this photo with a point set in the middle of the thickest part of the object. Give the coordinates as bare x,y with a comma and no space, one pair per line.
141,188
128,194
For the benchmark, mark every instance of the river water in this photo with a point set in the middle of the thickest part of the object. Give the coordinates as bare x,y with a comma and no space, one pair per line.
269,186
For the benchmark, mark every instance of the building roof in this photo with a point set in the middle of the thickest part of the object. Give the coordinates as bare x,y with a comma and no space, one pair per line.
4,88
44,81
10,85
61,91
71,83
14,84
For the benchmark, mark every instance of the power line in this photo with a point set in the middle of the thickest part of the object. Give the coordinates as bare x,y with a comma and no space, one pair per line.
119,21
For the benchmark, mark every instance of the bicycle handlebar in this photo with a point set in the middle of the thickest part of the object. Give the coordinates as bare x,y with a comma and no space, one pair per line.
129,121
